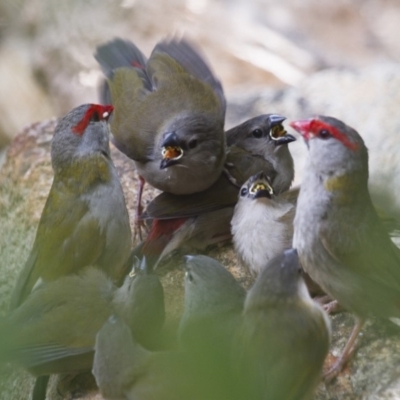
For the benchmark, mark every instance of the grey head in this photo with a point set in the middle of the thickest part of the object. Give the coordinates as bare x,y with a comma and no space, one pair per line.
257,186
209,288
212,308
334,147
116,356
140,302
192,139
264,134
81,133
280,280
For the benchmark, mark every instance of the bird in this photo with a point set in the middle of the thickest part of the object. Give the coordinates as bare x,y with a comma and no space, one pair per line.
196,221
54,329
124,370
339,237
85,220
169,113
283,338
213,303
265,136
262,223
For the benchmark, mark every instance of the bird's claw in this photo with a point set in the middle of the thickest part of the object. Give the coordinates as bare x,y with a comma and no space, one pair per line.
330,306
334,371
139,225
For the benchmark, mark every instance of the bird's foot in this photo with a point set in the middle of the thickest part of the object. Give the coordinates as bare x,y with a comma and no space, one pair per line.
334,371
139,224
138,228
330,306
347,353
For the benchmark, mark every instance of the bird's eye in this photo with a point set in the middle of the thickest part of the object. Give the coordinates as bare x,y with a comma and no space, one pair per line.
192,144
257,133
243,191
95,117
324,134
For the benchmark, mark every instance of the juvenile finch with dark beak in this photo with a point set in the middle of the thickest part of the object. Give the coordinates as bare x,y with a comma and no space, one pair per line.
262,223
265,136
169,114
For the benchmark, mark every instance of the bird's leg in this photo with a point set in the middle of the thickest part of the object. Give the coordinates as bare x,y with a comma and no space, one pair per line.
330,306
40,388
138,225
347,352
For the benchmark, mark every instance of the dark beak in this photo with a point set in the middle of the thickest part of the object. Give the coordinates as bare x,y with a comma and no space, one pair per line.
143,265
187,259
170,140
291,260
168,162
261,176
276,119
262,193
278,133
288,138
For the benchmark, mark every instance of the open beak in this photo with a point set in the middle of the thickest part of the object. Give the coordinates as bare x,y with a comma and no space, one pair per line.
261,189
171,156
276,119
278,133
171,151
288,138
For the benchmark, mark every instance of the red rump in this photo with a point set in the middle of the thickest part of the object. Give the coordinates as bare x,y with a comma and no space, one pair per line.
96,112
136,64
160,234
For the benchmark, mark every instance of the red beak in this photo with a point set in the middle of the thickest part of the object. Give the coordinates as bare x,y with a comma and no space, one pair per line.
303,127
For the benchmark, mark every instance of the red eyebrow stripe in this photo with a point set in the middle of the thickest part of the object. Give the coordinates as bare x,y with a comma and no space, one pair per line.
316,125
80,127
